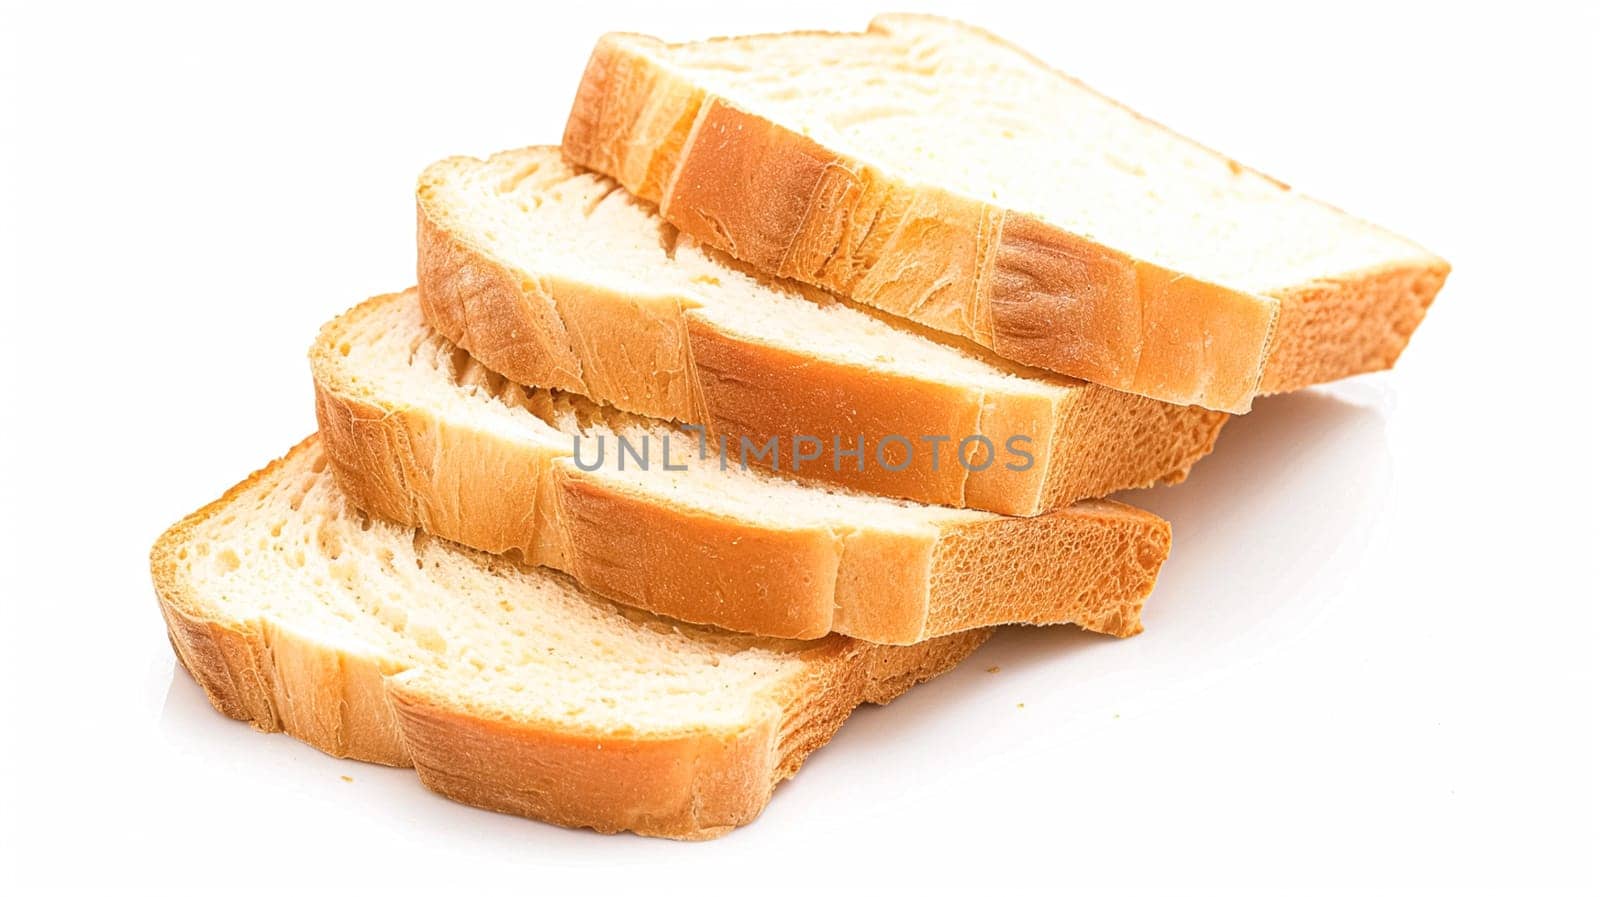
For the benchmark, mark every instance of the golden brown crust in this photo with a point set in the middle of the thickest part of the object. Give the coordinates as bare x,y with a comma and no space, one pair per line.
1108,438
660,356
690,785
1026,289
502,493
1121,552
581,338
470,299
695,566
266,674
1064,303
1352,325
760,391
624,92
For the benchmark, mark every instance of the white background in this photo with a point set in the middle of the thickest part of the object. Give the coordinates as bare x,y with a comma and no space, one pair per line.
1371,660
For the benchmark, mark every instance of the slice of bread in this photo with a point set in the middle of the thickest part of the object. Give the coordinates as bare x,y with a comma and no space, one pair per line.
934,171
419,433
555,277
507,688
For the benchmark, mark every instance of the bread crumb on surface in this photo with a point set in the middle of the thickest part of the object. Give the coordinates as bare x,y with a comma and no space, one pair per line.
347,778
993,670
1019,705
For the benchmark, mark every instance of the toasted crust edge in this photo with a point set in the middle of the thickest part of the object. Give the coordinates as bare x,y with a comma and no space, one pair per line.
685,786
785,204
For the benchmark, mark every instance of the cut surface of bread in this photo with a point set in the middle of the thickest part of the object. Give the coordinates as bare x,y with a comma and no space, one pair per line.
934,171
556,277
419,433
506,688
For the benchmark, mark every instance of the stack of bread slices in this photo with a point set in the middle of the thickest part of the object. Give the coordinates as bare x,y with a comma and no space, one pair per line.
804,362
